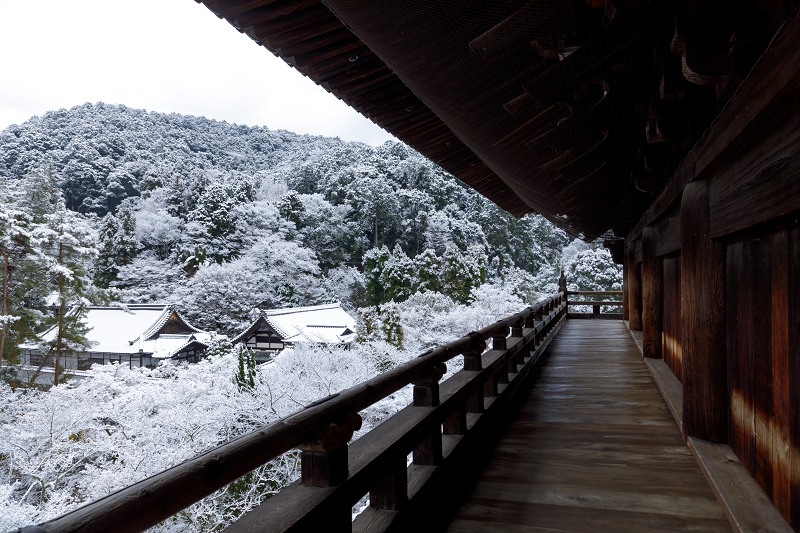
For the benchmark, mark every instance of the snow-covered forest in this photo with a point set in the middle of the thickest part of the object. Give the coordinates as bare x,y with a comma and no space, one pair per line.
104,203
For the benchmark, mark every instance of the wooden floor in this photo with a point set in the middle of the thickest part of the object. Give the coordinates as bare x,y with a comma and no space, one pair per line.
592,448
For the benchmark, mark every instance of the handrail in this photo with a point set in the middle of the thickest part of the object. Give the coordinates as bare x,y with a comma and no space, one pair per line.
314,428
595,304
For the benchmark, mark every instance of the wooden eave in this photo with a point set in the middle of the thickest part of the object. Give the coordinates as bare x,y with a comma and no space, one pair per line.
510,97
310,38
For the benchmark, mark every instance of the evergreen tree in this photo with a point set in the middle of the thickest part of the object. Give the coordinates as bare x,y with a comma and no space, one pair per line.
67,249
456,275
429,269
397,277
374,263
291,209
245,377
117,244
15,245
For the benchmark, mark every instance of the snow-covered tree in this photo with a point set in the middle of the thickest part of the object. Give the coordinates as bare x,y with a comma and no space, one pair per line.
398,277
66,250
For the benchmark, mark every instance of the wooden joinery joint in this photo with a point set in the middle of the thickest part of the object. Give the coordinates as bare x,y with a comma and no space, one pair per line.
323,462
472,355
499,338
334,435
529,320
516,328
426,388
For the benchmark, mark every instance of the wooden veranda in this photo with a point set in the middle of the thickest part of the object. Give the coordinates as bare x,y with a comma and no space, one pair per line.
592,447
671,130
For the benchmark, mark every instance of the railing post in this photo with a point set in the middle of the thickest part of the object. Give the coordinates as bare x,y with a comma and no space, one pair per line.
391,492
519,359
473,362
499,343
426,394
323,463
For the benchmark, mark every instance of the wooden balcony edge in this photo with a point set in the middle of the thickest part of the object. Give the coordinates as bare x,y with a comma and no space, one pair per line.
669,387
747,507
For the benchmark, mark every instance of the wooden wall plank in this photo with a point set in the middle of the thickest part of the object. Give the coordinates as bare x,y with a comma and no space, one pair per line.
705,398
762,272
740,364
671,336
652,295
762,361
779,330
793,316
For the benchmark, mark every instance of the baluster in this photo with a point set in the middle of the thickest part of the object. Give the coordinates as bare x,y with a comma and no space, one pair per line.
426,394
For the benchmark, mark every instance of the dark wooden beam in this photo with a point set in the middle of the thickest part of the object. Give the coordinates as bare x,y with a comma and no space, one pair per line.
703,333
668,234
652,295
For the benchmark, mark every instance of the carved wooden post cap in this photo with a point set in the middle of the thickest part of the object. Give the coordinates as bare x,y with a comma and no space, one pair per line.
499,338
426,388
333,435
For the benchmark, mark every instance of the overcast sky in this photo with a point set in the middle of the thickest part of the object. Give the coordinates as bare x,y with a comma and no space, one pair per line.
159,55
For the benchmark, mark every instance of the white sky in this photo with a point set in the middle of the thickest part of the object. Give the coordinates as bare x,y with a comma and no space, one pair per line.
159,55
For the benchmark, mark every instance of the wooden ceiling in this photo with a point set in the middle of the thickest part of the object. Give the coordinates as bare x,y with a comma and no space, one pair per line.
577,109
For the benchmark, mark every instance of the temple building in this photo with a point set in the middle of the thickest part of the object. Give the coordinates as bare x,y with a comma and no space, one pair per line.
276,329
134,335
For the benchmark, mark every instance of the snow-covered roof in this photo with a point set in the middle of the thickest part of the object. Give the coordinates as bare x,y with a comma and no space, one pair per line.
133,328
327,324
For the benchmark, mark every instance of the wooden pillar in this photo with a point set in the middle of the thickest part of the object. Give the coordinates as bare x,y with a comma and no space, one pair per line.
634,288
652,296
703,334
625,303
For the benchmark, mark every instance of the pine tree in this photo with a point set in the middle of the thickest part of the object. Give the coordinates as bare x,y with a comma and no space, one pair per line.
15,245
66,249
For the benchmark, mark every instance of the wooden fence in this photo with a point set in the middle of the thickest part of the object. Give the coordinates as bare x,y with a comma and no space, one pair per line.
442,422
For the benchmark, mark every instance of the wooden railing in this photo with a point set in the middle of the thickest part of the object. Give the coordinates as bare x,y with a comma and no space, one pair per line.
595,303
442,422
